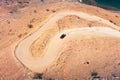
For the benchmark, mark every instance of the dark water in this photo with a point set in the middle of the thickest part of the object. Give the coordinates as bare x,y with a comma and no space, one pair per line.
111,3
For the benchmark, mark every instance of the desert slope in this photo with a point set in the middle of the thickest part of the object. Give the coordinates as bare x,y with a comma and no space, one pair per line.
100,50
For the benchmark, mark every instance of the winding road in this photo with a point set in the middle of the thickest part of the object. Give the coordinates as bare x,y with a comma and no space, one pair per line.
22,51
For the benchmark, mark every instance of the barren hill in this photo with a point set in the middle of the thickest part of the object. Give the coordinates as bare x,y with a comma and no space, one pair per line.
60,41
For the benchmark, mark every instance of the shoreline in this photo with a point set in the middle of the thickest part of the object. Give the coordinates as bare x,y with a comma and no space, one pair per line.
94,3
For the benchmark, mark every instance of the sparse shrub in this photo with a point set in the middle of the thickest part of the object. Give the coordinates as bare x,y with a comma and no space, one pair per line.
89,25
47,10
73,79
42,0
87,62
94,74
30,26
20,35
13,10
112,22
53,11
35,11
78,17
8,21
37,76
116,16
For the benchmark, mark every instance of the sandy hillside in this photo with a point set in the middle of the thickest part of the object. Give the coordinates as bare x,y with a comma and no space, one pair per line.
38,30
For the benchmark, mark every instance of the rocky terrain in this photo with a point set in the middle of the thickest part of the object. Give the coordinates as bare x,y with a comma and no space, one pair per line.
64,41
